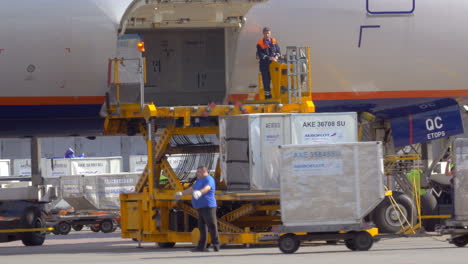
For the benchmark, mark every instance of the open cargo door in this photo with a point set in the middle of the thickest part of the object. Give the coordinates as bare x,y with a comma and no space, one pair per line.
190,47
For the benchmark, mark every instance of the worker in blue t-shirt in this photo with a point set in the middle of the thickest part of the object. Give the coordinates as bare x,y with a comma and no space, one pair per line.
203,199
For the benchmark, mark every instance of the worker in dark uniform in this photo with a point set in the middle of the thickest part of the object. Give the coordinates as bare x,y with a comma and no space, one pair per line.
268,50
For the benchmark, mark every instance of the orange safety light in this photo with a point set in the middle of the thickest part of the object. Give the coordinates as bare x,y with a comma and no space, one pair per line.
141,46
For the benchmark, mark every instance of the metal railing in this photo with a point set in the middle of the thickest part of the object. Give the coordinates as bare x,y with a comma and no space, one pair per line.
127,72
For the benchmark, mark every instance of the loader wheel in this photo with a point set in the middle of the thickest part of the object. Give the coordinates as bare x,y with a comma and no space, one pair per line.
460,241
55,231
166,244
32,218
387,217
63,228
429,207
361,241
107,226
349,243
95,228
289,243
77,227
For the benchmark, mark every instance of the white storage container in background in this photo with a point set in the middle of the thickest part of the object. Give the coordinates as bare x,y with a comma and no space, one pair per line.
137,163
80,166
4,168
22,167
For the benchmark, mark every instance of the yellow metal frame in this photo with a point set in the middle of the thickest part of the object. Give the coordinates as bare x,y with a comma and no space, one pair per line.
146,214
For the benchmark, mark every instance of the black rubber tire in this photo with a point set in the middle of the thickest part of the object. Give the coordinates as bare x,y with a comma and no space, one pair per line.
429,207
386,217
63,228
289,243
107,226
166,244
363,241
349,243
95,228
77,227
460,241
32,218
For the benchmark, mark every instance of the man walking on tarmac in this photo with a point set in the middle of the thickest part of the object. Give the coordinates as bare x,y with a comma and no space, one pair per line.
203,199
268,50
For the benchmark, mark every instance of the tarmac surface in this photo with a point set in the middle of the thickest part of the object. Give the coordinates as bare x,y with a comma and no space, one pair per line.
86,247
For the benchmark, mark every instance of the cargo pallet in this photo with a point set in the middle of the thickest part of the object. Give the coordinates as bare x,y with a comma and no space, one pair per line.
152,213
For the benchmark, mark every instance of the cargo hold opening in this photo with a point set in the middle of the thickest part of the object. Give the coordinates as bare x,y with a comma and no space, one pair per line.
184,66
189,47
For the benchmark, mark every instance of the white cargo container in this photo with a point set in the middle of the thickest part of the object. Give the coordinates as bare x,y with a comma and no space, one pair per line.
461,179
137,163
79,166
4,168
22,167
97,192
247,141
329,187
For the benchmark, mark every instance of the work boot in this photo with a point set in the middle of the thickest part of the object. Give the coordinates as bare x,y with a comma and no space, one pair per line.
216,247
197,249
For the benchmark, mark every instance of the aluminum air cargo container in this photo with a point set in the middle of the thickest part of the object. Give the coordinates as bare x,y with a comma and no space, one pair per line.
329,187
137,163
79,166
97,192
4,168
461,179
22,167
247,141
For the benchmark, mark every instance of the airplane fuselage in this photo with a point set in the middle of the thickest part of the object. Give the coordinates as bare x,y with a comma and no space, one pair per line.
367,55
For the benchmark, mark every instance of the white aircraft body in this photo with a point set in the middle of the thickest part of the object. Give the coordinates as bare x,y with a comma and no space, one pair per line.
367,55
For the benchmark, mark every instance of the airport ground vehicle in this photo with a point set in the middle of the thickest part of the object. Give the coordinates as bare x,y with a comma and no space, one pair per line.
92,200
106,222
22,208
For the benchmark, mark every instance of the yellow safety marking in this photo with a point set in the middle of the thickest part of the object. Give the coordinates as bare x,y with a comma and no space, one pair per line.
436,217
373,231
26,230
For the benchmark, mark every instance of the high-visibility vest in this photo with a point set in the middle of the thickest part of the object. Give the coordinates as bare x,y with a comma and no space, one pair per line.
263,45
